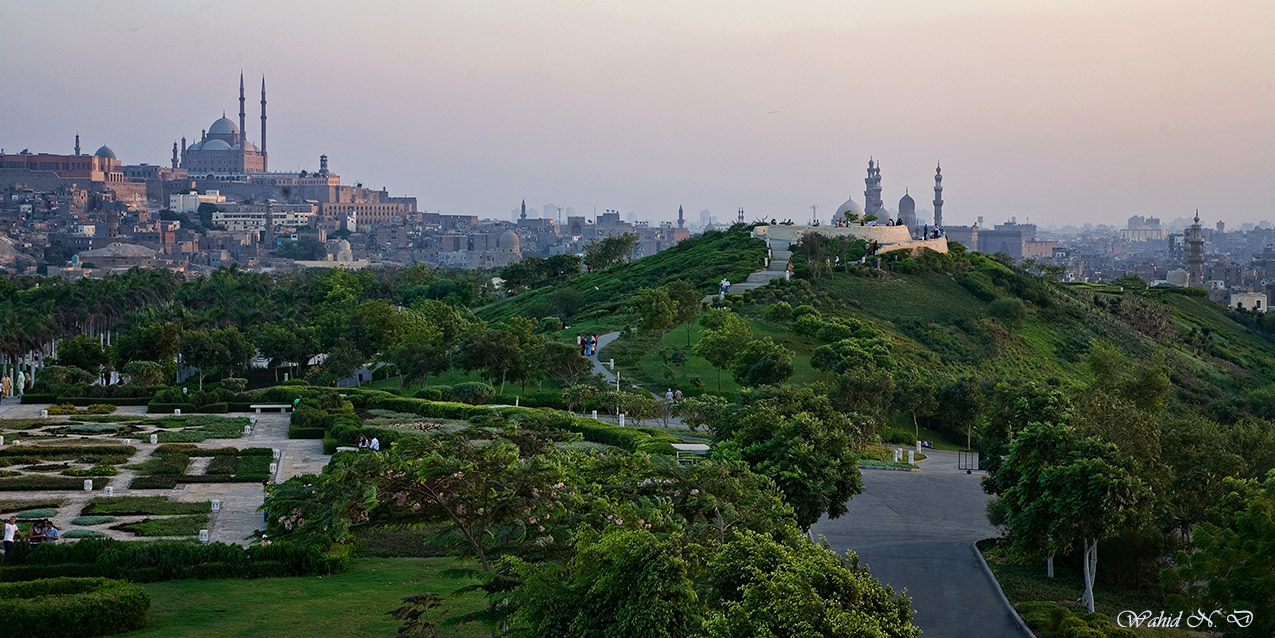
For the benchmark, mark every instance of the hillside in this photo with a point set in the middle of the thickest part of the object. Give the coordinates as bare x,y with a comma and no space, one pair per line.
934,311
703,261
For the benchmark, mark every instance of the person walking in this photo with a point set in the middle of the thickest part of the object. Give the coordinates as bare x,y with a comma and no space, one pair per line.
10,533
677,396
668,396
593,349
5,386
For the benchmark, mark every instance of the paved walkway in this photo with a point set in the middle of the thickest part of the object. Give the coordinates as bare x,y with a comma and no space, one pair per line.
915,530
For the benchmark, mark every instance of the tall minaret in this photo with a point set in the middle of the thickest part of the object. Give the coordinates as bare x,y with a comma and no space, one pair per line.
270,241
872,203
77,143
243,115
524,210
174,154
938,195
681,220
741,214
263,125
1195,254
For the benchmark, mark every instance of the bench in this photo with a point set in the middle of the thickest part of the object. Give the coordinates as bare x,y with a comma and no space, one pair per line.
282,407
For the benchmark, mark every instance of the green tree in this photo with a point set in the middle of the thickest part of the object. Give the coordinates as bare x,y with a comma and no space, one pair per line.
419,349
578,394
757,586
609,251
341,362
914,394
804,444
779,312
145,373
1061,490
687,300
201,349
1234,567
720,344
287,342
622,582
83,352
655,310
562,361
762,362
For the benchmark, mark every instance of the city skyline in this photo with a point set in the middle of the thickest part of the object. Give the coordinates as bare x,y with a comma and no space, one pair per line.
1064,115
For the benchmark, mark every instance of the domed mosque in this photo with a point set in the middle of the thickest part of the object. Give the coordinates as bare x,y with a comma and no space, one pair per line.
223,148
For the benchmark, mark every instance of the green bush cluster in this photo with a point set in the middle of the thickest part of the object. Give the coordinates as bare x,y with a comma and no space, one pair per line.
189,525
1055,621
173,560
55,607
32,482
141,505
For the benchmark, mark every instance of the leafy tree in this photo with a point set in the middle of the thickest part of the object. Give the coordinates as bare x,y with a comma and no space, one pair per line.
563,362
1060,490
578,395
757,586
145,373
609,250
341,362
687,304
508,353
720,345
707,411
147,341
201,349
622,582
287,342
83,352
1010,310
655,310
1232,568
566,301
762,362
914,394
799,440
419,350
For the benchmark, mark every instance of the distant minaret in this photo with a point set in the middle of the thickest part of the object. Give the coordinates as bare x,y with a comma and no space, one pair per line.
269,224
741,214
872,203
938,196
174,154
1195,254
681,220
323,165
243,115
183,149
263,125
524,210
77,143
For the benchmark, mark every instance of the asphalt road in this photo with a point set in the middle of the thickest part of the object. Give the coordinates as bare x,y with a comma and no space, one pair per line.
914,531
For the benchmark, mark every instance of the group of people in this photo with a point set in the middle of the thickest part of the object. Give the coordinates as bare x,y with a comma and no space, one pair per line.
931,233
588,345
673,396
11,388
369,444
783,223
723,287
42,531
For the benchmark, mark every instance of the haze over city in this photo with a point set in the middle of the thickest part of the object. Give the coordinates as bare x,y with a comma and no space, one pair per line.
1058,112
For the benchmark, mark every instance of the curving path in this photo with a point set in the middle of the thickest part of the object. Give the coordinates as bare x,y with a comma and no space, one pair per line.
915,531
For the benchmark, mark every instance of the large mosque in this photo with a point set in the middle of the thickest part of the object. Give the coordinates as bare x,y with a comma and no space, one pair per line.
223,147
907,206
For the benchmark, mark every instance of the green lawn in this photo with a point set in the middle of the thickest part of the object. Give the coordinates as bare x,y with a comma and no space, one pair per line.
348,605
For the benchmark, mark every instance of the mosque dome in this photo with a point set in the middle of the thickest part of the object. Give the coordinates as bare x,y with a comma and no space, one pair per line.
194,147
507,241
215,145
223,126
106,152
851,207
907,199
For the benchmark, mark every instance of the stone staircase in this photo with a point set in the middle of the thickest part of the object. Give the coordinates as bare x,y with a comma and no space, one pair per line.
778,269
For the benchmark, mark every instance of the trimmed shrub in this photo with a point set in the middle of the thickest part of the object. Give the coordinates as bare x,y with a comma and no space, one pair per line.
780,312
43,512
161,560
37,482
220,407
32,397
83,533
92,520
167,408
473,392
58,607
806,310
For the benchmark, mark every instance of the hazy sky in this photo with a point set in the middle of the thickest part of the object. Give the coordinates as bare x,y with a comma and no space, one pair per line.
1062,111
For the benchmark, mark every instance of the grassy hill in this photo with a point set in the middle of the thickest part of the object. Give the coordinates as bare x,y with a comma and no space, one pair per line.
703,261
935,312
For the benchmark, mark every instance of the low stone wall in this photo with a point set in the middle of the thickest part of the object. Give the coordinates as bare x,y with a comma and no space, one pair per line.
881,234
916,245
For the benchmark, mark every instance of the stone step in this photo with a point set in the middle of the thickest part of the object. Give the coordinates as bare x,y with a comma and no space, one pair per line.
780,255
779,244
764,276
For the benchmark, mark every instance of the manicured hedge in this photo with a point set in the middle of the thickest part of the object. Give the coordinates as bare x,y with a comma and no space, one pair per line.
221,407
56,607
33,482
117,401
32,397
53,450
155,561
